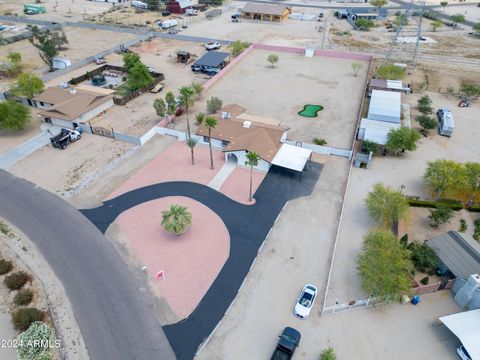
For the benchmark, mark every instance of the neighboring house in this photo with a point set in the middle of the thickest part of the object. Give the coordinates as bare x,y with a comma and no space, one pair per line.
384,114
266,12
178,6
66,107
389,85
365,13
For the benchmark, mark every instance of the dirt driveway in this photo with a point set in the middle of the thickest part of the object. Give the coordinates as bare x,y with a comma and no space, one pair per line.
281,92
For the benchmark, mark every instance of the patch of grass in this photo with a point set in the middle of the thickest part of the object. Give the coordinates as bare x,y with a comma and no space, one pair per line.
463,225
319,141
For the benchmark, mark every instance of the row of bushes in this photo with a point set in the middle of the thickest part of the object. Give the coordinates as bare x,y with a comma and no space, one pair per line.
451,204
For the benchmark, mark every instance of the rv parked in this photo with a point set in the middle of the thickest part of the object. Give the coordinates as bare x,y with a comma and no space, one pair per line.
447,124
167,24
139,5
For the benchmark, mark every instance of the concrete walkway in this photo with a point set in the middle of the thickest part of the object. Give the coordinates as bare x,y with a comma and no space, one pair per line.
28,147
221,176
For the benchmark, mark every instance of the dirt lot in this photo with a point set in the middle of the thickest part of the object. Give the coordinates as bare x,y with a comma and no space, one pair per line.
281,92
62,170
10,139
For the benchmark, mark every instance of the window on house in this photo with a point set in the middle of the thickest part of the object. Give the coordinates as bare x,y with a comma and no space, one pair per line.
205,138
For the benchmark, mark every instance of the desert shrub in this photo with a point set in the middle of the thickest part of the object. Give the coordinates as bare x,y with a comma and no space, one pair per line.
319,141
463,225
368,146
24,317
23,297
214,105
5,266
431,272
476,230
16,280
425,280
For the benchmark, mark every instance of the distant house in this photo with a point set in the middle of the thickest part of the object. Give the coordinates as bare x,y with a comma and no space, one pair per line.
384,114
266,12
67,107
365,13
178,6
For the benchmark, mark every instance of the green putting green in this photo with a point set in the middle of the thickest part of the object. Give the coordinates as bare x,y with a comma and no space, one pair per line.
310,110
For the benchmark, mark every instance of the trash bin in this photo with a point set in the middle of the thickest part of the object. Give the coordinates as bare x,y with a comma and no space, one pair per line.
415,300
405,299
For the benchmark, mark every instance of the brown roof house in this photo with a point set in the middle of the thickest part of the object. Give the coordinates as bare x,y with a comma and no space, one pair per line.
267,12
72,106
237,137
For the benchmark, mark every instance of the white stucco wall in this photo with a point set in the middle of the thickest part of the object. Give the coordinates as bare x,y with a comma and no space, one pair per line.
242,159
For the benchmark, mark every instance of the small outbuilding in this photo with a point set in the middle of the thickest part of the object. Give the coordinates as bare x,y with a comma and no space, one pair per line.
183,56
266,12
211,62
389,85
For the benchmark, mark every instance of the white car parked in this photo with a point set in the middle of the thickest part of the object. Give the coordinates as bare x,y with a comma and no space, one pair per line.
305,301
212,46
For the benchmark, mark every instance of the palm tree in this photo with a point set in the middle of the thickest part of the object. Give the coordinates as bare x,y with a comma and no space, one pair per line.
176,219
191,142
210,123
187,99
252,160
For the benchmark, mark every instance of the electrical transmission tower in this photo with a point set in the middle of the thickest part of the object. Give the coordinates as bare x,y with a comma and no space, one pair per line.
406,41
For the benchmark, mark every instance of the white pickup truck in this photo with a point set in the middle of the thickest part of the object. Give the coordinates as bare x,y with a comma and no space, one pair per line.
212,46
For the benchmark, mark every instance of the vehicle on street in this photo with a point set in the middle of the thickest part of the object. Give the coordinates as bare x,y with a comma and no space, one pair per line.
65,137
463,354
99,60
212,46
287,344
447,124
157,88
305,301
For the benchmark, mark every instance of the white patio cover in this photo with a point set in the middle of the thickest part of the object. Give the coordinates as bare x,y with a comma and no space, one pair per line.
292,157
466,325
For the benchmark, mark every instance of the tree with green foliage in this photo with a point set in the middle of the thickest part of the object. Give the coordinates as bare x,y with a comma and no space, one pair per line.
214,105
22,318
437,24
424,105
191,143
60,39
199,117
13,115
14,63
470,90
138,77
427,122
378,3
423,256
440,215
364,24
29,340
252,160
443,4
356,67
443,177
237,47
457,19
160,107
472,182
368,146
390,72
210,123
176,219
28,85
386,205
402,139
129,60
44,41
272,59
187,99
171,105
384,264
329,353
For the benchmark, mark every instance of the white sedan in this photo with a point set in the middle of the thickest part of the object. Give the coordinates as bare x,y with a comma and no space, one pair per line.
305,301
212,46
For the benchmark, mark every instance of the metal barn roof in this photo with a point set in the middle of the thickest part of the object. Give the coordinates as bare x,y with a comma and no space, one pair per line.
377,131
212,58
458,251
466,326
385,106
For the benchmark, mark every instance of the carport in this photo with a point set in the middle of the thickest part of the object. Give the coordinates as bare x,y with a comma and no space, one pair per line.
466,326
211,62
293,158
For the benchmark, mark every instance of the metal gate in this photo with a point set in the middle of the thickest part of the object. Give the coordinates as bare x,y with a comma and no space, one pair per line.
97,130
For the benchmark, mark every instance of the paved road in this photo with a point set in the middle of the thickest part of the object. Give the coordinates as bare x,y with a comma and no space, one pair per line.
114,313
248,227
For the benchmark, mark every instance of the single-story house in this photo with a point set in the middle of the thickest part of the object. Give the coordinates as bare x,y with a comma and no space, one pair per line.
66,107
365,13
267,12
466,326
389,85
178,6
458,252
384,114
211,62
